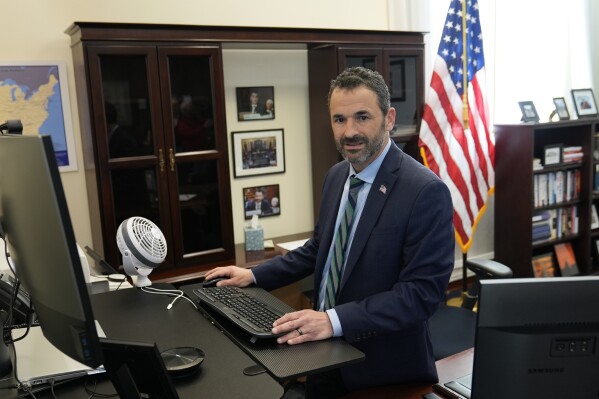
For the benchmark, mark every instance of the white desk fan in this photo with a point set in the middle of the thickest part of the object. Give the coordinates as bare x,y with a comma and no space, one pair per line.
143,247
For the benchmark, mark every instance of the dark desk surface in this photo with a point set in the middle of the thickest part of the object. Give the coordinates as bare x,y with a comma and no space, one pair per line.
133,314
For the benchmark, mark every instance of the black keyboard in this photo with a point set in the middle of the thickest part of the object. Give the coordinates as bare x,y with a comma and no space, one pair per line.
252,309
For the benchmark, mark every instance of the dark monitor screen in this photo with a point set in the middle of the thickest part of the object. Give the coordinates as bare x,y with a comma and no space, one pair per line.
537,338
37,227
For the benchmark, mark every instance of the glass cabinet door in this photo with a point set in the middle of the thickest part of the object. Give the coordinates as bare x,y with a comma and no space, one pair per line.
200,201
404,84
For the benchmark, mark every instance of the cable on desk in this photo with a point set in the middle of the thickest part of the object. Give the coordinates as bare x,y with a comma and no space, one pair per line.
176,293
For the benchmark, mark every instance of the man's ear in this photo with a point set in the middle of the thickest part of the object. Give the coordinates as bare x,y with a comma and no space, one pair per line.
390,119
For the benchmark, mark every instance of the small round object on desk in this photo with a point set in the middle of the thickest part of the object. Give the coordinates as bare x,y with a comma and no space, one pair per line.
182,361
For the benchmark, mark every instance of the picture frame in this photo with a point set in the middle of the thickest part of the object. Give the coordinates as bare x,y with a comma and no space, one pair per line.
561,108
258,152
529,111
584,103
50,105
543,265
267,204
552,154
255,103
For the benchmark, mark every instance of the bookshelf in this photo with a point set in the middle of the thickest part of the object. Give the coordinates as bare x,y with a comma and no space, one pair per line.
563,193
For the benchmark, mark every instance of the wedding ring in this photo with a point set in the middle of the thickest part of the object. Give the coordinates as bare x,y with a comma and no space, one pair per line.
299,330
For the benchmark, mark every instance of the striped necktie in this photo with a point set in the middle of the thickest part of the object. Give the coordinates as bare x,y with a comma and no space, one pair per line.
340,247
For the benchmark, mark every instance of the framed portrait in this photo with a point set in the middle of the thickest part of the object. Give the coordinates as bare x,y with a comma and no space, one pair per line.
553,154
39,91
255,103
258,152
584,102
529,112
561,108
262,201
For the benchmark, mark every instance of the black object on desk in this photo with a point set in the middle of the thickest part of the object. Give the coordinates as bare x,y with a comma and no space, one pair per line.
284,361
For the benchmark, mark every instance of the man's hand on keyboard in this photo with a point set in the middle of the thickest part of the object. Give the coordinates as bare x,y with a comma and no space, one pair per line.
303,326
236,276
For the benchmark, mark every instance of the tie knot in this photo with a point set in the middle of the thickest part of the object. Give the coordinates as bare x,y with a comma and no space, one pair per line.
354,182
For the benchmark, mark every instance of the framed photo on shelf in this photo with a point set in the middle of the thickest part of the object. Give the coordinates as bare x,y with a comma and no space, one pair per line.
584,102
255,103
543,265
529,112
258,152
262,201
552,154
566,259
561,108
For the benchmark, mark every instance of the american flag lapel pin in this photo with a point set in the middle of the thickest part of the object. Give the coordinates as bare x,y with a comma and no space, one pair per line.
383,189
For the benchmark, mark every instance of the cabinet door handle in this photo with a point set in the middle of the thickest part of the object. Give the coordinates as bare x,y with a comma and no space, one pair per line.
161,159
171,157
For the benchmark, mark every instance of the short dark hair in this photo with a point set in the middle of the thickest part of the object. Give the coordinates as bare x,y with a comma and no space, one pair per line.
360,76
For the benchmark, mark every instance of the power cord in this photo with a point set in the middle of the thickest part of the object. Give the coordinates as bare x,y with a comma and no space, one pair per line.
176,293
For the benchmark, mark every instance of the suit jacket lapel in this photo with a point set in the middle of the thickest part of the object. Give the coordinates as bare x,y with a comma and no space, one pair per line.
377,197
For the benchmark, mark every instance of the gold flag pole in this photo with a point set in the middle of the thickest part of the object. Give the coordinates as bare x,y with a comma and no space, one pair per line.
465,65
465,116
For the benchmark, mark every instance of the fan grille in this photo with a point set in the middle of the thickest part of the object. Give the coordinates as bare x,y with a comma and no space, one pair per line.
150,238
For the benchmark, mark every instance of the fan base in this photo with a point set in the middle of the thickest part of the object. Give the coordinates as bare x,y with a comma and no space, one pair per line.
182,361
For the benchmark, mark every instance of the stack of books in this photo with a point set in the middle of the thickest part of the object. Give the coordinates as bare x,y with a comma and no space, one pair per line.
536,164
572,154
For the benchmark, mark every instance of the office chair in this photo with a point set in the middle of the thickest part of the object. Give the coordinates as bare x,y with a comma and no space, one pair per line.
451,327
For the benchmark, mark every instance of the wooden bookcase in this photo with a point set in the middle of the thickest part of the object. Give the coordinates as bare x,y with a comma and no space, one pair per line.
516,147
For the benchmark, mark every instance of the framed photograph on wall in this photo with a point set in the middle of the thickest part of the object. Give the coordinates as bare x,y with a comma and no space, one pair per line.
262,201
529,112
255,103
258,152
561,108
584,102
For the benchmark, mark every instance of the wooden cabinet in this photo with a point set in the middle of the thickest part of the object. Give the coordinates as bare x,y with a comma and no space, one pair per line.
158,143
563,188
402,67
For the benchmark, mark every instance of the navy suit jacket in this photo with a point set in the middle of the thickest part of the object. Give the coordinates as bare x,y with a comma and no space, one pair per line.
396,273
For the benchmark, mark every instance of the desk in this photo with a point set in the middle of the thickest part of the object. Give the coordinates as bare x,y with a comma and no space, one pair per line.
450,368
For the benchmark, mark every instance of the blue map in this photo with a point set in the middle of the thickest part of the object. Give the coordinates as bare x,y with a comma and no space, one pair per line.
32,94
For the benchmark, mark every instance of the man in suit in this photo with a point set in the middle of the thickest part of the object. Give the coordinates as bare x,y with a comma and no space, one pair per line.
398,259
253,106
258,206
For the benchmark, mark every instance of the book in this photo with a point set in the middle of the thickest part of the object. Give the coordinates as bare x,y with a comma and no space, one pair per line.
594,218
542,265
566,259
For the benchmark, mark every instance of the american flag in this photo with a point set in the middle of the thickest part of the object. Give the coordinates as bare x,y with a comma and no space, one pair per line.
463,158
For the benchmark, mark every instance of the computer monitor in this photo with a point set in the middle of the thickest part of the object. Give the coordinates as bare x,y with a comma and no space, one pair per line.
37,227
537,338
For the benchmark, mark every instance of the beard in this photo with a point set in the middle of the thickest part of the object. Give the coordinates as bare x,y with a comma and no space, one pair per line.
371,147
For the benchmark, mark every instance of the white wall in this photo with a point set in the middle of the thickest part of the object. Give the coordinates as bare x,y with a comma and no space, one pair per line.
287,71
